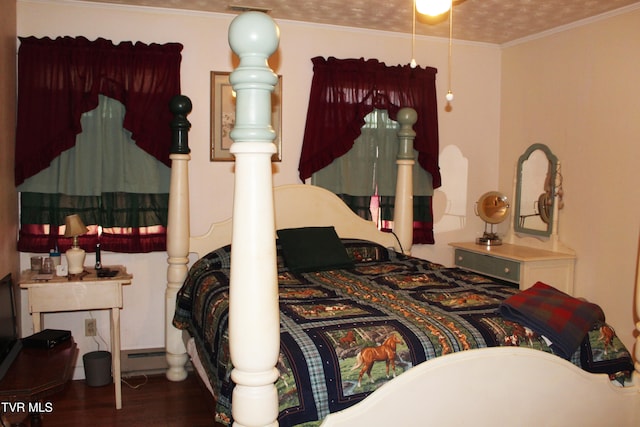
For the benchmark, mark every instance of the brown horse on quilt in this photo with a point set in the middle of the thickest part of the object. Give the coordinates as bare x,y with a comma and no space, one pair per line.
369,355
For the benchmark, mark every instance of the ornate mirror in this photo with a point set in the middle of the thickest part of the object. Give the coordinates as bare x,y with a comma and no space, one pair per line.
492,208
535,187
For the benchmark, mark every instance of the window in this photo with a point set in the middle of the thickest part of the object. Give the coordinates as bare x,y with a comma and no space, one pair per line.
365,177
97,115
343,92
107,180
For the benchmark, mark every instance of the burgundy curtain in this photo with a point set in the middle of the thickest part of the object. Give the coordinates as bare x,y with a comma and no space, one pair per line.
344,91
60,79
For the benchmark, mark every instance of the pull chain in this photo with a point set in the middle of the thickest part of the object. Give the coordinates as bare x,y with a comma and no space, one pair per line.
449,96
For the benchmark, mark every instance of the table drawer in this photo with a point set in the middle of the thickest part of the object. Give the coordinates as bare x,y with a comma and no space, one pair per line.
75,296
497,267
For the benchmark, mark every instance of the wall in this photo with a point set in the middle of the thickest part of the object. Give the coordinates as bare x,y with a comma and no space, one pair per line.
469,132
8,196
578,92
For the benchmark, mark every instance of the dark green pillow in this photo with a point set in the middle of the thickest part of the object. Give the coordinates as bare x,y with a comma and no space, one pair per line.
313,249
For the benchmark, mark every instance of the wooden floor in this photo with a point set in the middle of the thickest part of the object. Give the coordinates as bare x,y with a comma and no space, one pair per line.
157,403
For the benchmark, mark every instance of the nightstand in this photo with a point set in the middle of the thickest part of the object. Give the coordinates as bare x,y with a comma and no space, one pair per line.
522,265
84,291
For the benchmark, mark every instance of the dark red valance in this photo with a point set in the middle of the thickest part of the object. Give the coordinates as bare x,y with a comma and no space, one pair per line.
60,79
344,91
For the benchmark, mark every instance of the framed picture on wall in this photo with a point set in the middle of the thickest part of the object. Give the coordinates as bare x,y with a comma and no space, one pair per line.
223,117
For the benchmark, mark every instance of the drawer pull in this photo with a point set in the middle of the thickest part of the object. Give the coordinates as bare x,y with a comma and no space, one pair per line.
506,270
460,257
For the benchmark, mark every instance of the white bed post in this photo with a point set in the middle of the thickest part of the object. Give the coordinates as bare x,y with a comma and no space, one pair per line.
178,233
403,209
254,320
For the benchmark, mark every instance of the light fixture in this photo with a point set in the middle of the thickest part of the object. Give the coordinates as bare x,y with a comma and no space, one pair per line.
433,7
74,227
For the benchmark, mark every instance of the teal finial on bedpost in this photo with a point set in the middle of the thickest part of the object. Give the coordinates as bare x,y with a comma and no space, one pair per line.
254,37
407,117
405,159
180,106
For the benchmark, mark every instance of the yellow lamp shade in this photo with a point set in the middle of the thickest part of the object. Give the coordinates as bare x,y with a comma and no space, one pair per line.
74,226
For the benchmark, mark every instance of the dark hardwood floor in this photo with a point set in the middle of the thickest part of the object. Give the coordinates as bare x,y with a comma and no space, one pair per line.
159,402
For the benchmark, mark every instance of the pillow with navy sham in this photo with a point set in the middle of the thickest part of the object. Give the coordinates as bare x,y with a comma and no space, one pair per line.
309,249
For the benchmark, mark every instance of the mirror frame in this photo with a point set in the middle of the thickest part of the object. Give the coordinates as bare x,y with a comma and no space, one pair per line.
553,165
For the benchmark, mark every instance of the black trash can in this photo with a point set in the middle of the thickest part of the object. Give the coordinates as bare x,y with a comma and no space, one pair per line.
97,368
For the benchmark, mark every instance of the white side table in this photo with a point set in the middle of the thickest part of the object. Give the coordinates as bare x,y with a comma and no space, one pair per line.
85,291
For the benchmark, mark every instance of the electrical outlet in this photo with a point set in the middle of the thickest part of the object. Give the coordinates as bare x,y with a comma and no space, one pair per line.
90,328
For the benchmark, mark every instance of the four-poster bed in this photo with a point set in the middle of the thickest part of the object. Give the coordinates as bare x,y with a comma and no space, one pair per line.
483,386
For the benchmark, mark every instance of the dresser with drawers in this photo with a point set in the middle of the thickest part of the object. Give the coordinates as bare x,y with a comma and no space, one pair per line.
521,265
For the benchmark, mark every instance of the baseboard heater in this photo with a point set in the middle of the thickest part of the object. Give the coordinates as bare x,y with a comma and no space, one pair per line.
148,361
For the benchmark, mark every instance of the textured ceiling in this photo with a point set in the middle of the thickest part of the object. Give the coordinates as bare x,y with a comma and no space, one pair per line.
492,21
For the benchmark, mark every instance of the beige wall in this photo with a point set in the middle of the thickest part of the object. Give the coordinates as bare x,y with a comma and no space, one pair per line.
8,198
578,91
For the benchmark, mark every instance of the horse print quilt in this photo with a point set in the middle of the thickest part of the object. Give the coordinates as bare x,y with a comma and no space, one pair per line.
346,332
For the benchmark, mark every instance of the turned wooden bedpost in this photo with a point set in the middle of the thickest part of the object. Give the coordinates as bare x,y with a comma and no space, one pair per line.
403,209
254,317
178,233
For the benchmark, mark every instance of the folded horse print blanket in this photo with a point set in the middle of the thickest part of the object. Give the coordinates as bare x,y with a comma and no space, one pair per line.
563,319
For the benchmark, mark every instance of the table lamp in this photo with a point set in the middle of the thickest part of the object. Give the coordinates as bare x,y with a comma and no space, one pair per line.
74,227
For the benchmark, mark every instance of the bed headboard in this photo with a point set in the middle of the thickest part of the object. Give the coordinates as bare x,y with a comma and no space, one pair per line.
300,205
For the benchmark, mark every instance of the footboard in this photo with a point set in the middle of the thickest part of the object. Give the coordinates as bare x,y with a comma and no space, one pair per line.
495,386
